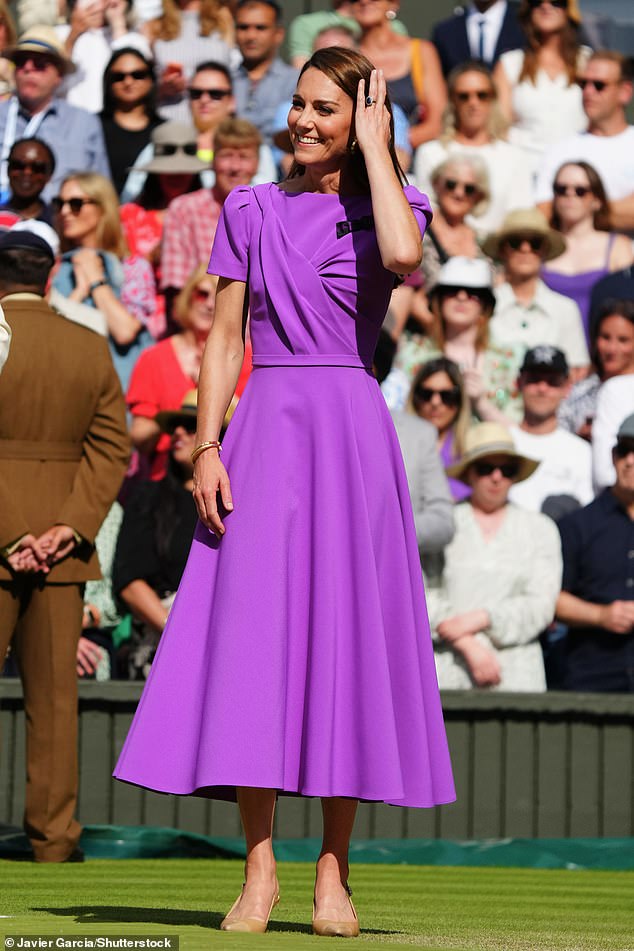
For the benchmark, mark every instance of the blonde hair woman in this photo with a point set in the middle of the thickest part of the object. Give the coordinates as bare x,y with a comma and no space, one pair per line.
189,32
96,269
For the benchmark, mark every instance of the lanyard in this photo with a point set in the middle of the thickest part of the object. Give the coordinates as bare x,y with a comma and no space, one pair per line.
9,138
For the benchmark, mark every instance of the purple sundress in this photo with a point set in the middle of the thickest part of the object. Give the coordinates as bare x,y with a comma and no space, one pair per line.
297,654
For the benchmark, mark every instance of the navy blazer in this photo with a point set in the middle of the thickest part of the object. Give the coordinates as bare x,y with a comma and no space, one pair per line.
450,38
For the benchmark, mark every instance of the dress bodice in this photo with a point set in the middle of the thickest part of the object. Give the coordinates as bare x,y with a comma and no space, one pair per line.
317,286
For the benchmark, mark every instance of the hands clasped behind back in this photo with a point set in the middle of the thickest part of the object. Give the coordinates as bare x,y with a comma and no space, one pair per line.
211,487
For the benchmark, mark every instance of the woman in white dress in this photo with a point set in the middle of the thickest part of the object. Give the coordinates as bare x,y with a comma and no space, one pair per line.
537,86
501,577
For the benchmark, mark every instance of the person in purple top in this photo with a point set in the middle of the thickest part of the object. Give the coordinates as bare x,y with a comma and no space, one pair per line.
297,657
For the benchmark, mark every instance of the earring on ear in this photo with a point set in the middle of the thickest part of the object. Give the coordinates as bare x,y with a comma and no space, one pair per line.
390,14
353,146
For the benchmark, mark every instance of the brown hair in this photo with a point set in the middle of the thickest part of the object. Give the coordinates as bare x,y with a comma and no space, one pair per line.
346,68
213,15
109,231
569,46
437,330
463,416
183,301
236,134
497,126
601,217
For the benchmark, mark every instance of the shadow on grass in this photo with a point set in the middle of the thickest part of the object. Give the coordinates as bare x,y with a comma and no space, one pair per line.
127,914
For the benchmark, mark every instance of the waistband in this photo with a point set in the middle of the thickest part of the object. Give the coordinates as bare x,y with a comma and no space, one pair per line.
309,360
40,450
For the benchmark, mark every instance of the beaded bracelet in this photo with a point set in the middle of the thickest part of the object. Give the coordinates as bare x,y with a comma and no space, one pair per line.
212,444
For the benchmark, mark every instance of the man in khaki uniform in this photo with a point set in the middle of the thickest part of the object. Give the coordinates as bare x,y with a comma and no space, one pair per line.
63,454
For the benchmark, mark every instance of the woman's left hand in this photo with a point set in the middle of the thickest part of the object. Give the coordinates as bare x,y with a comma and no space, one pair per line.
89,263
372,122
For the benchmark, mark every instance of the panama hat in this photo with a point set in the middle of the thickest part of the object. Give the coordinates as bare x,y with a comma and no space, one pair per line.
42,39
167,419
525,221
490,439
470,273
175,146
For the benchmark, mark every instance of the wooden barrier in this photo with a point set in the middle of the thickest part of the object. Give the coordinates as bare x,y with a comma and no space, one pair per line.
526,766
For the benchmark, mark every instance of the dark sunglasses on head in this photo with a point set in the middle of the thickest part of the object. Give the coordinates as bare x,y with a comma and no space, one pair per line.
560,4
39,61
517,240
117,76
450,398
188,423
483,95
598,84
168,148
38,168
451,184
623,448
216,94
508,469
579,190
75,204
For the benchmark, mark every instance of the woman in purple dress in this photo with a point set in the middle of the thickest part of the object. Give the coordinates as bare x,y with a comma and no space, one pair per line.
297,656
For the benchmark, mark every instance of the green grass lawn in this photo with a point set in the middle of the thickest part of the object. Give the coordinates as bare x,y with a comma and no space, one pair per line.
493,909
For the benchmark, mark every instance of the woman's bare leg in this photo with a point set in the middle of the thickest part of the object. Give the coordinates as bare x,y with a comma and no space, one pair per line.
331,898
257,808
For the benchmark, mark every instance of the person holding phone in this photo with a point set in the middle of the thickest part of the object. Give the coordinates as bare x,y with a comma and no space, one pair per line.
297,657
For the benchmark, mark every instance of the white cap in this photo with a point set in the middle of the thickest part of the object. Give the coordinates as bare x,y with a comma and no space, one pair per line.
41,229
465,272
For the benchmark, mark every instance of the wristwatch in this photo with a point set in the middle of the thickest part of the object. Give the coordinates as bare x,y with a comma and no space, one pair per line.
96,284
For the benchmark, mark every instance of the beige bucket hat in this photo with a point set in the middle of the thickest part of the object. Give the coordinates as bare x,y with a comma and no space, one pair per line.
490,439
525,221
42,39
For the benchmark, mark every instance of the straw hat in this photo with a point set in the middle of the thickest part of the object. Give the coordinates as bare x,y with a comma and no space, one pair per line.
490,439
42,39
175,145
525,221
172,417
470,273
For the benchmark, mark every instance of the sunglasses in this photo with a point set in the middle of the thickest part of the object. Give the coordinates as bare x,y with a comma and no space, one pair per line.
472,293
188,423
623,448
451,184
508,469
216,94
598,84
516,241
579,190
450,398
117,76
559,4
38,61
75,204
38,168
483,95
544,376
168,148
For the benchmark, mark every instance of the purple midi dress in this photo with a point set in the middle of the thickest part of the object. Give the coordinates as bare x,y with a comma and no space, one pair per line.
297,654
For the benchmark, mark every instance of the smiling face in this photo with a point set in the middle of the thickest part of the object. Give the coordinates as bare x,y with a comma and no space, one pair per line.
210,99
431,397
319,122
78,229
29,169
615,346
542,391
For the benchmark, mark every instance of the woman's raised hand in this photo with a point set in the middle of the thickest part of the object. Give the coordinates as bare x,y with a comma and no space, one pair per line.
211,483
372,119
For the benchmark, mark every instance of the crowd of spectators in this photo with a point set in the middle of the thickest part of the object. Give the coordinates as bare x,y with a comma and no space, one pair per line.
507,359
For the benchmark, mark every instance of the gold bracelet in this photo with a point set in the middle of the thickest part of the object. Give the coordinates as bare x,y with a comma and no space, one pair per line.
212,444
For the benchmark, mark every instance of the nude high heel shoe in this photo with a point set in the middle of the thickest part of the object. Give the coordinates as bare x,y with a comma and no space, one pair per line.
252,925
331,928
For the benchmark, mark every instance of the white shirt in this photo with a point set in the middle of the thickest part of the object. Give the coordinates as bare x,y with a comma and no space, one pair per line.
492,21
610,155
5,339
550,318
565,468
510,176
615,402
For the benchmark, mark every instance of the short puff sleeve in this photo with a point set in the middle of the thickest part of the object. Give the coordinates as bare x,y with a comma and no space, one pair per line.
230,250
419,204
